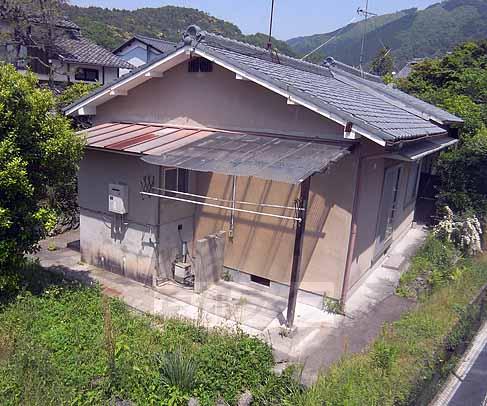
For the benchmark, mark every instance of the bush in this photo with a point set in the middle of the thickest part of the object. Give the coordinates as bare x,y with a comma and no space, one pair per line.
433,265
463,176
39,156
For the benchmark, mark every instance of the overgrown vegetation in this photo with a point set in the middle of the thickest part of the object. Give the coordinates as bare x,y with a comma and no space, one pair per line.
39,155
404,363
458,83
64,344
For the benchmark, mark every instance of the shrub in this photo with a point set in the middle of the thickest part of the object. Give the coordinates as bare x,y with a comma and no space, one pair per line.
463,231
433,265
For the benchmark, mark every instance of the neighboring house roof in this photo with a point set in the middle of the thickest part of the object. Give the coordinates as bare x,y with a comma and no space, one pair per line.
160,45
76,49
61,22
407,69
377,111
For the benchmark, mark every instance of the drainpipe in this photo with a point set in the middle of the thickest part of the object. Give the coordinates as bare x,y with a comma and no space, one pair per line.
232,214
353,227
158,229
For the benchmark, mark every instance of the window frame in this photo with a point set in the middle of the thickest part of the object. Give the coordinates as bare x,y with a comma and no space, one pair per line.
180,173
83,77
411,192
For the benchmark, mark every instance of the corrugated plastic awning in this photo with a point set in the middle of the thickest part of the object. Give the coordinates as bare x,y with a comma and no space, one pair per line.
272,157
419,149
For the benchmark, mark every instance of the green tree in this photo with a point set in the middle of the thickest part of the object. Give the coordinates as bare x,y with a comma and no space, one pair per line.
458,83
383,63
39,156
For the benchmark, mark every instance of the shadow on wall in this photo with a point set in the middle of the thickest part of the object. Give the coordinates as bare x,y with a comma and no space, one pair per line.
126,249
263,245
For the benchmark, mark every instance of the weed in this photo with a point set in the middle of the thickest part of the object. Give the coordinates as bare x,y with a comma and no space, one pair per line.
51,246
177,371
331,305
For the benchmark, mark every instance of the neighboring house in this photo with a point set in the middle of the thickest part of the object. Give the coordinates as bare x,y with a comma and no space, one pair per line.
68,57
139,50
406,70
219,135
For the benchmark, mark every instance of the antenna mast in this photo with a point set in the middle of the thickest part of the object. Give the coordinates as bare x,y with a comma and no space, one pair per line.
269,40
366,14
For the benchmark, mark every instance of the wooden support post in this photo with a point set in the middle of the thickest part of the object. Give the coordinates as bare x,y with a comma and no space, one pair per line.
297,254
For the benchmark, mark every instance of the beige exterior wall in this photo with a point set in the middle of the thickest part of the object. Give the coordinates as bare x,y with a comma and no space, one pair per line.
263,246
217,100
369,205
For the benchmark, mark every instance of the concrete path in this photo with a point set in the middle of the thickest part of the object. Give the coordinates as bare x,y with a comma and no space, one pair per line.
468,385
319,339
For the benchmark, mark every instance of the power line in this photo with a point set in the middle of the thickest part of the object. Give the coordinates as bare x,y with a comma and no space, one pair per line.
329,39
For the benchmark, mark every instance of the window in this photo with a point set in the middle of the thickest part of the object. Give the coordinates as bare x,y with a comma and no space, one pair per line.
87,75
175,179
412,185
200,65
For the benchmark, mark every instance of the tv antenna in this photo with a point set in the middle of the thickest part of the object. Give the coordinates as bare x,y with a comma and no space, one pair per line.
269,40
272,52
365,13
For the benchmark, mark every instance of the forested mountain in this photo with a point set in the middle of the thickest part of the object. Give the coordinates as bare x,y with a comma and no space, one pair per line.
409,33
111,27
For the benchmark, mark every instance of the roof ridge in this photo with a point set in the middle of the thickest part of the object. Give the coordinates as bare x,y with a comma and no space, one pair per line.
155,39
279,54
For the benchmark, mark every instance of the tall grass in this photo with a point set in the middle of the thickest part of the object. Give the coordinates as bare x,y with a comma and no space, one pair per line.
402,366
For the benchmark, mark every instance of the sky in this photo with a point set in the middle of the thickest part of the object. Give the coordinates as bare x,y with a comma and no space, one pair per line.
292,18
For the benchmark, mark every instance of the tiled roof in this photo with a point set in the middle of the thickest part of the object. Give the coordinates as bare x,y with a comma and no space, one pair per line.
339,89
159,44
82,50
393,114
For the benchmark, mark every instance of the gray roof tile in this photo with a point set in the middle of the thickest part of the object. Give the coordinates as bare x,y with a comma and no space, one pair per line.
82,50
388,113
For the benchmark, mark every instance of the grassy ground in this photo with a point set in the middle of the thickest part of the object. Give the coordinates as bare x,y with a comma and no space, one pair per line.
404,361
65,344
68,345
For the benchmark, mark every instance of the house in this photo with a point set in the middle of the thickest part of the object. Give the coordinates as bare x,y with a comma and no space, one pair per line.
295,177
63,57
407,69
140,49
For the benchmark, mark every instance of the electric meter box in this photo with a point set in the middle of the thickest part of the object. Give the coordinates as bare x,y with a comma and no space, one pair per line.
118,198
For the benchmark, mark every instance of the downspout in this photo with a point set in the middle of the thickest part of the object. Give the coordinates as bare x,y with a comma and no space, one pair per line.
232,214
158,230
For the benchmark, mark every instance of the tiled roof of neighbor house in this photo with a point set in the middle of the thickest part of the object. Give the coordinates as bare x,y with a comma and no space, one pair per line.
339,89
159,44
81,50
